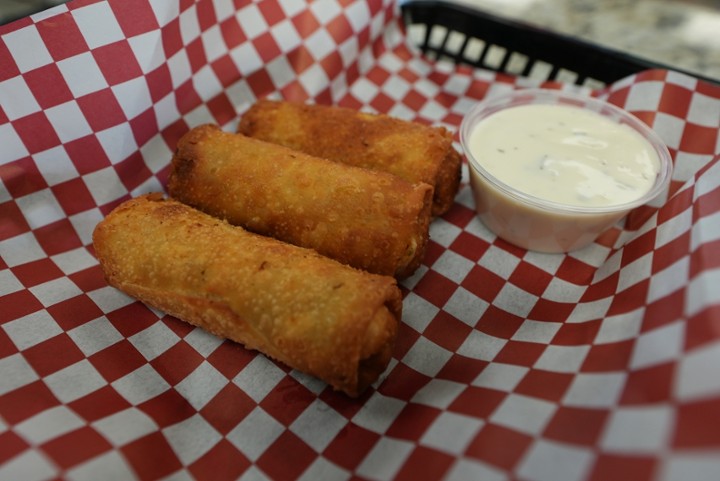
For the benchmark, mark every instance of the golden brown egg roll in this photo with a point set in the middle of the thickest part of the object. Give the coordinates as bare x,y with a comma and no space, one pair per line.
370,220
308,311
410,150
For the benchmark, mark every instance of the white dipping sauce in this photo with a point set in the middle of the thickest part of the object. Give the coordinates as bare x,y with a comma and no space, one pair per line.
565,154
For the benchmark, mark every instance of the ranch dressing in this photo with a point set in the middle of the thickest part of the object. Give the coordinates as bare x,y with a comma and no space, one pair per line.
565,154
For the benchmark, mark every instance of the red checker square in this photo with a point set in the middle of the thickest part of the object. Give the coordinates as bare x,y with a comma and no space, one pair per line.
382,102
694,428
101,109
698,139
225,70
610,357
11,445
286,458
483,283
477,401
461,217
499,323
168,408
222,461
446,331
305,23
702,328
117,62
134,16
230,358
530,278
99,404
89,279
187,98
576,425
117,360
623,466
181,328
221,108
14,222
545,384
172,41
602,289
9,67
638,247
300,58
75,447
144,127
435,288
704,258
159,82
706,204
469,246
414,100
133,171
48,86
408,75
671,252
333,66
231,32
87,154
36,132
520,352
196,54
403,382
406,338
287,400
22,177
499,446
343,404
266,47
551,311
53,354
676,205
206,15
425,463
272,12
339,29
73,196
664,310
575,271
228,408
294,91
132,318
461,369
18,304
57,237
151,457
62,37
412,421
378,76
675,100
649,385
177,363
37,272
7,348
26,401
350,446
630,299
577,334
433,252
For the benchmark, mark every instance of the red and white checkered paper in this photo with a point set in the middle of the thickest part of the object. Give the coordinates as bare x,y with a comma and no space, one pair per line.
600,364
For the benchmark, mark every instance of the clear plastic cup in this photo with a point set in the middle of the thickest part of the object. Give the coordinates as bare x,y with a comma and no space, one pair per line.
539,224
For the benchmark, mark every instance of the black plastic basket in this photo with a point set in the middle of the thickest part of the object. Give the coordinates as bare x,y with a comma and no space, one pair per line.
455,31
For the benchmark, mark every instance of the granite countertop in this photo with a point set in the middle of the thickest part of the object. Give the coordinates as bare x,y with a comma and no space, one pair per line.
683,34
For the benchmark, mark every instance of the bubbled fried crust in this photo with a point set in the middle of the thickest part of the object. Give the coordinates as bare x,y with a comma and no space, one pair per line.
410,150
370,220
300,308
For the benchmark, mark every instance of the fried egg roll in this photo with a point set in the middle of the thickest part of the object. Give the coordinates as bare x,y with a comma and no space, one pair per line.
303,309
412,151
374,221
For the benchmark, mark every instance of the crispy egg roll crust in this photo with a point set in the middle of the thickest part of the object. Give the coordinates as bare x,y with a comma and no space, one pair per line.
374,221
294,305
412,151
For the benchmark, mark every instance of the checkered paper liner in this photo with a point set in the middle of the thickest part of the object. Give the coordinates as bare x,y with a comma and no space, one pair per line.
599,364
